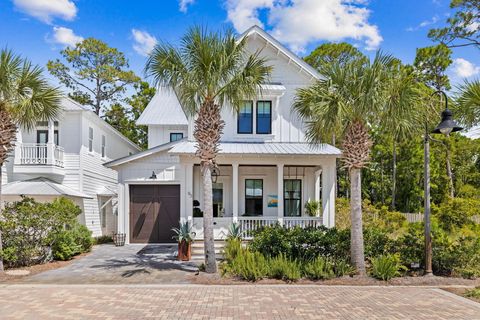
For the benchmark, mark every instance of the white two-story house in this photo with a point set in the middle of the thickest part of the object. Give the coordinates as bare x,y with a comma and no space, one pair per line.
267,170
65,158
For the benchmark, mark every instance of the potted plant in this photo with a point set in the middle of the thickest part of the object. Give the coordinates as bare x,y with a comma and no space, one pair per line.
312,207
184,236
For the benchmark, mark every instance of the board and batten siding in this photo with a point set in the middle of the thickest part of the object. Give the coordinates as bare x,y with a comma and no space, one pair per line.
160,134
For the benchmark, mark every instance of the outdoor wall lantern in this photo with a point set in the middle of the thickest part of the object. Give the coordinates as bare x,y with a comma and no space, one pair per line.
215,174
446,126
153,176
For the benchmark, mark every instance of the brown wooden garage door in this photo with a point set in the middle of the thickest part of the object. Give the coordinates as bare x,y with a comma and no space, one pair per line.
154,211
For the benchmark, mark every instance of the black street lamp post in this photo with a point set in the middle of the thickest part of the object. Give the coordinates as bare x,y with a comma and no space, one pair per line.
446,126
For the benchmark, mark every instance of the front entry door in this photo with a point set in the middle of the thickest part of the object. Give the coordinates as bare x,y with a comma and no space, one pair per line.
154,211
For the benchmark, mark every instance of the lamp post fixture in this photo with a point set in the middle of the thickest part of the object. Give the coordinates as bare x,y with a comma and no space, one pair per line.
215,173
446,126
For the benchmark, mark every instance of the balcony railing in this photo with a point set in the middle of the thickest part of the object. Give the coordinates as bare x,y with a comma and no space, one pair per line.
40,154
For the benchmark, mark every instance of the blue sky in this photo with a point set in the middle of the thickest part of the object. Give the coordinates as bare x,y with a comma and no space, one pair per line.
39,29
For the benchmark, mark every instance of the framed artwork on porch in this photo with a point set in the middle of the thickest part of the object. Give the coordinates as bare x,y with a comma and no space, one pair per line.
272,201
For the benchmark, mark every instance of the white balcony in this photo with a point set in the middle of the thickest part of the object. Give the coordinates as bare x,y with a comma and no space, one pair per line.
39,158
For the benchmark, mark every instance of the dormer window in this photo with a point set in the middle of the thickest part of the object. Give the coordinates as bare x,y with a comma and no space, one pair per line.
264,117
245,118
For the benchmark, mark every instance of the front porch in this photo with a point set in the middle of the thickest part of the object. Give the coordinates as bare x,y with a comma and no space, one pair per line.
259,195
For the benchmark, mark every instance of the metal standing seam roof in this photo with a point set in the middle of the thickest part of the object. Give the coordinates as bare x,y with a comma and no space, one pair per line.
274,148
163,109
40,187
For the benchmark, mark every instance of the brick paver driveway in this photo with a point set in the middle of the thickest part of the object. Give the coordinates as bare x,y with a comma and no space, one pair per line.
230,302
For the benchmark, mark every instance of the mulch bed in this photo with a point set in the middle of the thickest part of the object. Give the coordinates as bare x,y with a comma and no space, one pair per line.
6,278
461,292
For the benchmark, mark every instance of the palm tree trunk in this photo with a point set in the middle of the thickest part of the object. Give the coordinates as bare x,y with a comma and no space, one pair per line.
356,231
209,244
394,175
449,171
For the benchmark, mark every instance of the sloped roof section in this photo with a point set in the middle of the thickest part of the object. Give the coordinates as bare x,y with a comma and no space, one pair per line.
163,109
40,187
260,148
71,105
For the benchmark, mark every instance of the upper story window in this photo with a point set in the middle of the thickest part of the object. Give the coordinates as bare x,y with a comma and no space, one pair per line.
90,139
245,118
104,153
175,136
264,117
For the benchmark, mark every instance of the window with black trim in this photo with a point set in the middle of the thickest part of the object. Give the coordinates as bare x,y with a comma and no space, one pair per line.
175,136
253,197
245,118
264,117
292,197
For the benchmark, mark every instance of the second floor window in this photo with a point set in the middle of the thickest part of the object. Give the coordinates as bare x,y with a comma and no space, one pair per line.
104,153
245,118
264,117
90,139
175,136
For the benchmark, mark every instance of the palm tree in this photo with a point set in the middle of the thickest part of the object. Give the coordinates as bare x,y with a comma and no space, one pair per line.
25,98
209,71
467,103
348,100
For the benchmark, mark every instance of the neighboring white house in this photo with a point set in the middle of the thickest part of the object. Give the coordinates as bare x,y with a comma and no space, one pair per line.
65,158
267,170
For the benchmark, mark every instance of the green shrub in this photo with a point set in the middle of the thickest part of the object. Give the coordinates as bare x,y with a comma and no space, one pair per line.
312,207
82,237
387,266
28,227
232,247
248,265
456,212
64,246
282,268
319,269
473,293
343,268
103,239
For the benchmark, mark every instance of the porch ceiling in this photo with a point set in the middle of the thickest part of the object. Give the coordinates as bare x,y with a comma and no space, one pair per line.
267,148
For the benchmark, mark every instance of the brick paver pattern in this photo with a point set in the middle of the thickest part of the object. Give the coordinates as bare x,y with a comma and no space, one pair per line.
230,302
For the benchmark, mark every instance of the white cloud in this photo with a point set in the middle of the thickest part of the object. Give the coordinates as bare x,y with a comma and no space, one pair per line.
464,68
65,36
144,42
300,22
183,5
46,10
424,23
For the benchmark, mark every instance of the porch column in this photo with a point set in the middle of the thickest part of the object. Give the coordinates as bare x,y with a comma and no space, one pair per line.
280,193
51,143
18,147
189,191
235,192
328,194
318,182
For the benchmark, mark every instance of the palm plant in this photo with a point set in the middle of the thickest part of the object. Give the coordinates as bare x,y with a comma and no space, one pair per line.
209,71
467,103
25,98
348,100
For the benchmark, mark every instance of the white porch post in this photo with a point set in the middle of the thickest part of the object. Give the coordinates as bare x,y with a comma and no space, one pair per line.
280,193
317,185
51,143
120,208
18,147
189,191
328,194
235,192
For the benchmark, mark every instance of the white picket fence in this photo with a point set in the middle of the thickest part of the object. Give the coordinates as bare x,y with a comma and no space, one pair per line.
418,217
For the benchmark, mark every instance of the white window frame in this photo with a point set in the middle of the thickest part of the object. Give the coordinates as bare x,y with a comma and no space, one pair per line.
104,146
90,139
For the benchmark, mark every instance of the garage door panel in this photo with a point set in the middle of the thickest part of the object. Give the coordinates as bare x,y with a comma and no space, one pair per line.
154,211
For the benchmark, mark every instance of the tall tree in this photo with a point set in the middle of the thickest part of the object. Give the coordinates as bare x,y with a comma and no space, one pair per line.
25,98
96,73
123,116
209,71
462,28
431,64
350,97
328,53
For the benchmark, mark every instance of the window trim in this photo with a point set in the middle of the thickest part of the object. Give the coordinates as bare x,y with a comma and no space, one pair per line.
176,133
251,120
256,119
104,146
253,197
294,199
90,139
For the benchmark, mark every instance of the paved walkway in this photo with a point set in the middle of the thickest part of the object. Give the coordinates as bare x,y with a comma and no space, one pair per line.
132,264
231,302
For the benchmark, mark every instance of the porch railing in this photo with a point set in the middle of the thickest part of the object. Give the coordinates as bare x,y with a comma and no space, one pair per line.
38,154
249,225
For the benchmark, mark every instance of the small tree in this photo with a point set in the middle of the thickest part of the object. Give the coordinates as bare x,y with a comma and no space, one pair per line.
95,72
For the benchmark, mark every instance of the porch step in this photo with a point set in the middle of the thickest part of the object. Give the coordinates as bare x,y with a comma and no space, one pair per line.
198,252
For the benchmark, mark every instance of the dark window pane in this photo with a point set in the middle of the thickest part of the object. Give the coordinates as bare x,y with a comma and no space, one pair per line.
292,197
245,118
175,136
264,117
254,196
